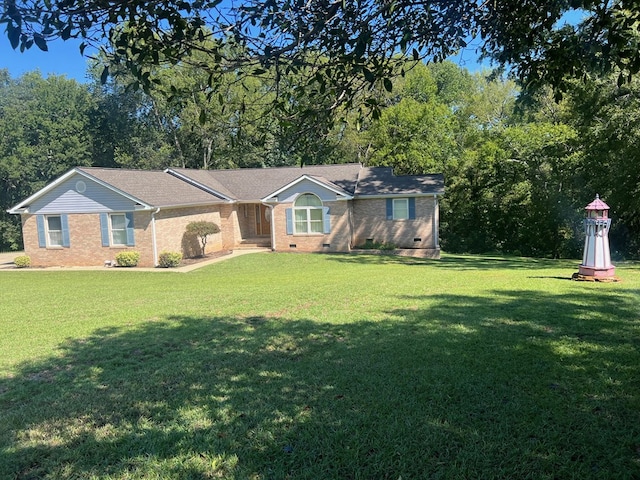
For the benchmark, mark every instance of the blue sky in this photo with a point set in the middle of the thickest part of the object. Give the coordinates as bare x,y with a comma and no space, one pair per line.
63,58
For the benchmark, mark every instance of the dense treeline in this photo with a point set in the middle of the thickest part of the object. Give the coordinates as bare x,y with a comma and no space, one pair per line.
519,168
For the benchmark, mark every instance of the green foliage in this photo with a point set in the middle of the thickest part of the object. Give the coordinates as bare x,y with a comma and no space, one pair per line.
169,259
22,261
341,51
373,245
202,230
44,131
128,258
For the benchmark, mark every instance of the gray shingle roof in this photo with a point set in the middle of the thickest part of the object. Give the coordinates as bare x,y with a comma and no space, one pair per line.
382,181
154,188
162,189
251,184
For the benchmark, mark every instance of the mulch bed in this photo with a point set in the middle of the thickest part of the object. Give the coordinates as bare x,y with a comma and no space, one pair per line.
209,256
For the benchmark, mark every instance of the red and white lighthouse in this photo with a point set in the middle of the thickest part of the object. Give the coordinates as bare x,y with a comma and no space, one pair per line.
596,259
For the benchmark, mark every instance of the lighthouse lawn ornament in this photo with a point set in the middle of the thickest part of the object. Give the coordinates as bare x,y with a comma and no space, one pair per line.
596,259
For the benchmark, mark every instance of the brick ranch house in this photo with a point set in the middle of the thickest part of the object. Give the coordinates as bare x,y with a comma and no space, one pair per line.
88,215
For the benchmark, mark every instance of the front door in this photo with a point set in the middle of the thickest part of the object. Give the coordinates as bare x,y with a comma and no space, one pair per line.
263,220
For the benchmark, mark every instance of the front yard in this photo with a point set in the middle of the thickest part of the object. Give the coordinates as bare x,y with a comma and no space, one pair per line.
275,366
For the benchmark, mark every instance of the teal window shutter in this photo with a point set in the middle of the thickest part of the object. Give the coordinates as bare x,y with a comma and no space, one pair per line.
289,214
42,239
64,221
131,241
104,229
326,219
389,209
412,208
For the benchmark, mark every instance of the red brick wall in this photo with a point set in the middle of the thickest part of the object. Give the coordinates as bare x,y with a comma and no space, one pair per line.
370,221
171,225
338,240
86,245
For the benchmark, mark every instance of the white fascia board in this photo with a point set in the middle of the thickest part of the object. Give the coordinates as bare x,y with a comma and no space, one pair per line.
22,206
189,205
395,195
199,185
311,179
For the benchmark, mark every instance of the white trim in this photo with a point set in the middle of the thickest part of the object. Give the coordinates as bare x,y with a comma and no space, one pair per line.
272,222
112,241
23,207
154,240
393,208
308,208
47,230
435,224
395,195
311,179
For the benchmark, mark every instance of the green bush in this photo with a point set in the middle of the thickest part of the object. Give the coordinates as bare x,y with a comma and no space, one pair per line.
128,259
22,261
373,245
169,259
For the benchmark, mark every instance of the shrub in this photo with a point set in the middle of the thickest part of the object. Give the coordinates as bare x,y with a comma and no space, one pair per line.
128,259
373,245
22,261
169,259
202,230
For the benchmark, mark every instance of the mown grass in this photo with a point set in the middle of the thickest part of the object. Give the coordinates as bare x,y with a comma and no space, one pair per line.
274,366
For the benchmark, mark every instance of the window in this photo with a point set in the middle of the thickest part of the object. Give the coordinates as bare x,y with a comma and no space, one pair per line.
400,208
308,214
118,229
54,231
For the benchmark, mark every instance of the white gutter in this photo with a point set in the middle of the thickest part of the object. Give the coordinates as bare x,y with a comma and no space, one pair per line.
273,228
436,221
153,237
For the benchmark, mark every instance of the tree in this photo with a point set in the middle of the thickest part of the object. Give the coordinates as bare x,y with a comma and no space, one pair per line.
608,121
338,48
44,131
202,230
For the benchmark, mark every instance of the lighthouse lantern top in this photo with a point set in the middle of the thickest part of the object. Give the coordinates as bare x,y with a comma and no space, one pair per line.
597,208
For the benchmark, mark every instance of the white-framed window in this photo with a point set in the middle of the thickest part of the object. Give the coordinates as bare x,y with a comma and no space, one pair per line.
118,228
400,208
308,214
54,230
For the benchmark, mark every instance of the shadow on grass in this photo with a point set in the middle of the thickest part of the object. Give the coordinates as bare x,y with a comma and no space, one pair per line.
511,385
458,262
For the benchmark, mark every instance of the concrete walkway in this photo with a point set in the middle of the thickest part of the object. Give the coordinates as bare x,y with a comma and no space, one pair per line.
6,263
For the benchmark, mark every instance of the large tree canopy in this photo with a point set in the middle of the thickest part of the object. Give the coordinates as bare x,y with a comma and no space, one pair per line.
341,46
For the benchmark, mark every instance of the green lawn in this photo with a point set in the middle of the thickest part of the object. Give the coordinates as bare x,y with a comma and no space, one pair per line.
276,366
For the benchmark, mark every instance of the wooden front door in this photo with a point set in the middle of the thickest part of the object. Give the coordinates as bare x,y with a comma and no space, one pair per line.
263,220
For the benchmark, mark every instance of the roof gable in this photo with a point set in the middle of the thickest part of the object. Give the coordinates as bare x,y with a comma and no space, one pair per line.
66,194
305,183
